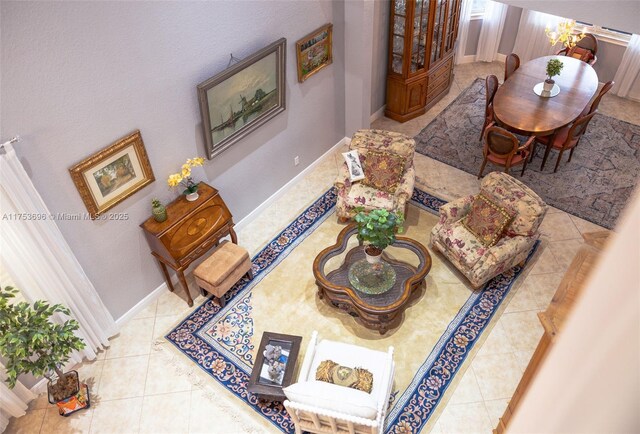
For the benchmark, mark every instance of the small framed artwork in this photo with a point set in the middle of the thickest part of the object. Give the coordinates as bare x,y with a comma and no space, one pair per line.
314,52
112,174
244,96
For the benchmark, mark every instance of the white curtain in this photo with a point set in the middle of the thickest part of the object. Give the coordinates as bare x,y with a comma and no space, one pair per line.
463,29
41,262
531,40
629,67
491,31
13,402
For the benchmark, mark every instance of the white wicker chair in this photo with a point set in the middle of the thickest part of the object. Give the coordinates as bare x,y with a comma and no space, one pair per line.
310,415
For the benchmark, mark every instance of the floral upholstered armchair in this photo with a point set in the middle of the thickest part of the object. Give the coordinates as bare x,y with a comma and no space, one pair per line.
486,234
387,160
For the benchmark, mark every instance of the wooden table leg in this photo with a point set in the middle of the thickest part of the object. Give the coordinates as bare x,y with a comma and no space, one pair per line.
183,281
167,278
234,237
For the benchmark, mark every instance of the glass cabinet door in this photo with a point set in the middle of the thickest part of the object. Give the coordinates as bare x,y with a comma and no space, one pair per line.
419,36
397,49
451,25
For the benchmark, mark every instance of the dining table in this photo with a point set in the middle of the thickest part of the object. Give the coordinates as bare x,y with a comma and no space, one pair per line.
517,107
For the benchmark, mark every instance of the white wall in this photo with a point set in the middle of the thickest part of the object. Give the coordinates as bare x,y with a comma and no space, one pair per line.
76,76
381,13
590,380
618,14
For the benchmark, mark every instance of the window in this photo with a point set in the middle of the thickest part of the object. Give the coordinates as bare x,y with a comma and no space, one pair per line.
477,8
605,33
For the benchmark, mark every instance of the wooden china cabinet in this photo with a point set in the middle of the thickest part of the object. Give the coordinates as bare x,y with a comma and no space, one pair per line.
422,37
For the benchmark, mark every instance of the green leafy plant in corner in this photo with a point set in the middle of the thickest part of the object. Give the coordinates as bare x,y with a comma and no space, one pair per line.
554,66
378,228
30,342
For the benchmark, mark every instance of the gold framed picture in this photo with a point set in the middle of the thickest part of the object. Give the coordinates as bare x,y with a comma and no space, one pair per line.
314,52
112,174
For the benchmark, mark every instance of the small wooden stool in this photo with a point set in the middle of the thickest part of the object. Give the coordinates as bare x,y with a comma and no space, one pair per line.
223,269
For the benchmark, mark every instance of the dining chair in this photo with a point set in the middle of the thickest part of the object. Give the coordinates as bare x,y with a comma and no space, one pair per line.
491,87
511,63
563,139
585,49
591,108
503,148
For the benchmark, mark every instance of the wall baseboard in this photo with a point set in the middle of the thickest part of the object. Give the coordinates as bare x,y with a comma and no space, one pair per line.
285,188
150,298
378,114
471,58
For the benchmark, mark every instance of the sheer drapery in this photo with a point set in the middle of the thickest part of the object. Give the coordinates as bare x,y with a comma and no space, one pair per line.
463,29
41,262
491,31
629,68
531,40
13,402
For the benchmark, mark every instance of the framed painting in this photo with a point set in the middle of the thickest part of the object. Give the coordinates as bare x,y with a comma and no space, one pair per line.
112,174
241,98
314,52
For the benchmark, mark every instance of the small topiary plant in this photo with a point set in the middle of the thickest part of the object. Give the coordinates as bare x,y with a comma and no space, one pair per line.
378,228
31,343
554,66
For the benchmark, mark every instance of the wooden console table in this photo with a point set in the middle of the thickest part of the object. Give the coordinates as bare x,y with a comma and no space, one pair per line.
191,229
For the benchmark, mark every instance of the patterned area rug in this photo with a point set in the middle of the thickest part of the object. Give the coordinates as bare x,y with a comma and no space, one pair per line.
437,333
595,185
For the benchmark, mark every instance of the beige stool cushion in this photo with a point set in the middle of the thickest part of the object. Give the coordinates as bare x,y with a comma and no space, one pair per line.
223,268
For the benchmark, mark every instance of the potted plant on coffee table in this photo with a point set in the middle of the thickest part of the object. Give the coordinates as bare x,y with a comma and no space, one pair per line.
377,228
554,66
31,343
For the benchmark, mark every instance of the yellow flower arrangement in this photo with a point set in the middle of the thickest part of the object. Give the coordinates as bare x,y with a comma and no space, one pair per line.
184,176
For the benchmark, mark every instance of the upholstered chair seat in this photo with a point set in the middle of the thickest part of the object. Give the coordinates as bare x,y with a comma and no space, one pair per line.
476,259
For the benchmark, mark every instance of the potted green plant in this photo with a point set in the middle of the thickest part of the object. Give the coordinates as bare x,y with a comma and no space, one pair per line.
554,66
158,210
378,229
31,343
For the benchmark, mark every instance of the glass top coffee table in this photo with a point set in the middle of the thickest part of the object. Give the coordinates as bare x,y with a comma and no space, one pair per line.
376,295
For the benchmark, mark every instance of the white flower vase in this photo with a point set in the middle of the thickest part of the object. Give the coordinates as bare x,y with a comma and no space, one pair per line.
192,196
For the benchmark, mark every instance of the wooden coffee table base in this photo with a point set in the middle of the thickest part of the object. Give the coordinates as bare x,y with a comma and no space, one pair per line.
382,322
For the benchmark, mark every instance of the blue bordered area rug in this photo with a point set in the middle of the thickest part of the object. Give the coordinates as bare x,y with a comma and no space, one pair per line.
219,341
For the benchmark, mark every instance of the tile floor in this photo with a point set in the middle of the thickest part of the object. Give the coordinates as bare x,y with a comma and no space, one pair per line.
135,390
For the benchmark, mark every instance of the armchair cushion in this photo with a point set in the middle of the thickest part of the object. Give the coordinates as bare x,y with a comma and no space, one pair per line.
370,198
332,397
383,170
486,220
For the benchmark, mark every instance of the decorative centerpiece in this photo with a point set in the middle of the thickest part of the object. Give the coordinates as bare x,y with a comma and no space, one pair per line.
184,178
276,362
158,210
554,66
377,228
31,343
